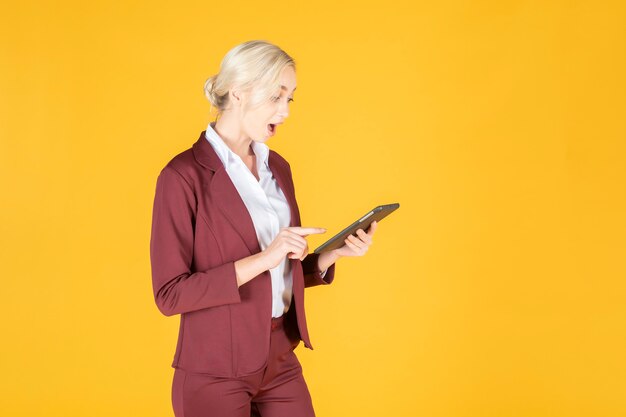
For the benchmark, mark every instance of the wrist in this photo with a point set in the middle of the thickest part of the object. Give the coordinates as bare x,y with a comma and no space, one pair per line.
264,260
334,255
326,259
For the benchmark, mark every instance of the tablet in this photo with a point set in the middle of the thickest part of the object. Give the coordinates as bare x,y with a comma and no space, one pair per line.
364,222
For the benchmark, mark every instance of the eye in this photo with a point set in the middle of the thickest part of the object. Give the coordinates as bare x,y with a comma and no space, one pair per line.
277,98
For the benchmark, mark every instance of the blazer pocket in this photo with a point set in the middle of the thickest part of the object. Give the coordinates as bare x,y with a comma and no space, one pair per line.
207,342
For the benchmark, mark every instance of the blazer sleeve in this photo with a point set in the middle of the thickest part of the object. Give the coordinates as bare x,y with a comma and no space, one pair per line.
312,276
176,288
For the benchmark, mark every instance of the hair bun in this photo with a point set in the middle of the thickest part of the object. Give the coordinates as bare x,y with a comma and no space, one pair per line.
208,90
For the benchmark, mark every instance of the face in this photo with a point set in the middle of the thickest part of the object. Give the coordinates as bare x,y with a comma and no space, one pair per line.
261,123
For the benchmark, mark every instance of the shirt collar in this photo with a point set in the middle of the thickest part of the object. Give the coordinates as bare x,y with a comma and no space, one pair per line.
261,150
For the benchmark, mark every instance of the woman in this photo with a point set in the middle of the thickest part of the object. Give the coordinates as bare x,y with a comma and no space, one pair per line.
228,253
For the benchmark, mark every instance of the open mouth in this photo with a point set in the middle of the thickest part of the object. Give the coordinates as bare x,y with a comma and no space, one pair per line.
271,128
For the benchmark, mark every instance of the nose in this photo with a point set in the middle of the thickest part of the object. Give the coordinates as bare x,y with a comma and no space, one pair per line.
283,110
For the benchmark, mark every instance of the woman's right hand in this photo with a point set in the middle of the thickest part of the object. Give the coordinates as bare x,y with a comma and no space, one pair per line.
289,242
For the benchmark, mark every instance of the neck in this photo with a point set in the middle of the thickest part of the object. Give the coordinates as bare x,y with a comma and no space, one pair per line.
231,133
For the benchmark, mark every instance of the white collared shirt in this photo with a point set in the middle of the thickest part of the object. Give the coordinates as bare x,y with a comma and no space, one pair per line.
267,206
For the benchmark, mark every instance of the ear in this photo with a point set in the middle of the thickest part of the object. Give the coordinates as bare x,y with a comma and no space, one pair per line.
236,96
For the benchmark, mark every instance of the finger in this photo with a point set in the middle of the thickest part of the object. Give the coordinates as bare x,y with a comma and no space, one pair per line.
299,254
364,236
305,231
372,228
296,250
305,252
295,242
356,242
352,246
295,254
291,237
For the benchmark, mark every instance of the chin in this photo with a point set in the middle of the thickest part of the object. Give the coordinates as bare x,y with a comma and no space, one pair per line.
258,137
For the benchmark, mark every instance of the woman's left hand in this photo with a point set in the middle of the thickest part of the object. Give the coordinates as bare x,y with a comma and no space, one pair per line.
357,246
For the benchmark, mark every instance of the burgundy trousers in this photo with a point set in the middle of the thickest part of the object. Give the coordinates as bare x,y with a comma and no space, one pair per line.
278,390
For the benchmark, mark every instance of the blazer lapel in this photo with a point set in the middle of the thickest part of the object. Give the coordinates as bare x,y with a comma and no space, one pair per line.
227,197
225,194
232,206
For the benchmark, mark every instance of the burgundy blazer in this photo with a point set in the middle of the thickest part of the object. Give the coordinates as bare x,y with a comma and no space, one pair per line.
200,227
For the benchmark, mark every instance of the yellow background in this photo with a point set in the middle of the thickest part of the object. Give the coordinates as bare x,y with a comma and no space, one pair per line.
497,289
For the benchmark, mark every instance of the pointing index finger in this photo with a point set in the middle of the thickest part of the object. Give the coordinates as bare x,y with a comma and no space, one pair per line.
305,231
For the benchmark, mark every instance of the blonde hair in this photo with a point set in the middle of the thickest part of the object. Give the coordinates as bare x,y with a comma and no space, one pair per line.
253,66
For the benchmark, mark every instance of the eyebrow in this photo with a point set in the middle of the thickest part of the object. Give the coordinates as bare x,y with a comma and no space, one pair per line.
282,87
